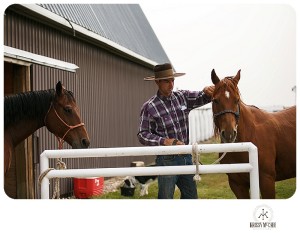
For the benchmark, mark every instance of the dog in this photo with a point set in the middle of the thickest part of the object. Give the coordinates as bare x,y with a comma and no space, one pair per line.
143,181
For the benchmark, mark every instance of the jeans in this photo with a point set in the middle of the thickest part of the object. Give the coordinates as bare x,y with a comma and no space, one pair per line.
185,183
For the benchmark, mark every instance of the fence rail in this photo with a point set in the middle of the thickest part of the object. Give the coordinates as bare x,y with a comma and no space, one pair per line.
201,126
251,167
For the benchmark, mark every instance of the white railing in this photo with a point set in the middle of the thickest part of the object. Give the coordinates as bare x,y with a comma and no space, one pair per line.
251,167
201,126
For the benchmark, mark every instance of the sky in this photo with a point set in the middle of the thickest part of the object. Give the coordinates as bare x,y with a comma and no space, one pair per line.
258,39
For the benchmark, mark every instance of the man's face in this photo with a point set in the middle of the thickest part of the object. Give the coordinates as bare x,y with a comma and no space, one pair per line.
165,86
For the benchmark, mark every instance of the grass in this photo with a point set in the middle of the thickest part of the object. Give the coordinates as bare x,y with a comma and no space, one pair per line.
211,186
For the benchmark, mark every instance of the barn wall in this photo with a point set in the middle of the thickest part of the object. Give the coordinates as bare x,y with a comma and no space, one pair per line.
109,89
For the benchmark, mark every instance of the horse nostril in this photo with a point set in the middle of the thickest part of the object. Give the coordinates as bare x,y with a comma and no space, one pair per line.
223,134
85,143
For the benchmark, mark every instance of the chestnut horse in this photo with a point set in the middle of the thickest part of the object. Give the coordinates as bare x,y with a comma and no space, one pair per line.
274,135
26,112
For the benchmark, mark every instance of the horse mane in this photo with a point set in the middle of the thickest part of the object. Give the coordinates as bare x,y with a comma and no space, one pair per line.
27,105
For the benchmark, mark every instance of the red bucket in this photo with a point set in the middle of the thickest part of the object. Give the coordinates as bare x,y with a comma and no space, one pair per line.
87,187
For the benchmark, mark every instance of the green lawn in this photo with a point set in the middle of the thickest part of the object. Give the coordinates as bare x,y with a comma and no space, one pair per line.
211,186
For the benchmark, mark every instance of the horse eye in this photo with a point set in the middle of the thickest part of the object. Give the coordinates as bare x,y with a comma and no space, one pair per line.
68,109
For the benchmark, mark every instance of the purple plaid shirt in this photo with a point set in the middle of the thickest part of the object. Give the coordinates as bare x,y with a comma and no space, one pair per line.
167,117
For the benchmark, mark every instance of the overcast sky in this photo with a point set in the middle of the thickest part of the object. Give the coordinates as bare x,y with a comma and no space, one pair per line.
259,39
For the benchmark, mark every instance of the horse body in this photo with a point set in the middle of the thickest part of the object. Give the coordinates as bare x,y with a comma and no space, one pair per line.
274,134
24,113
15,134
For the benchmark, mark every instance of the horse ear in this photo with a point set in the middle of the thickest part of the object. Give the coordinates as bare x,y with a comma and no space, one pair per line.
214,78
237,77
59,88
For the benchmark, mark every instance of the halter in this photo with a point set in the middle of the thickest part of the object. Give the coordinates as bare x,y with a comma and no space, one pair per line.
237,113
59,139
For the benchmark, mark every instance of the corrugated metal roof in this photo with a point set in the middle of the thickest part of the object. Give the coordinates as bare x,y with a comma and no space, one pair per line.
124,24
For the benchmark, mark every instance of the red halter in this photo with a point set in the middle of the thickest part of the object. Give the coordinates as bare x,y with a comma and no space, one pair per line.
61,140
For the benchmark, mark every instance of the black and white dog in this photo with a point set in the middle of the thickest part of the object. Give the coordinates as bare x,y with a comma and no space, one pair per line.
144,181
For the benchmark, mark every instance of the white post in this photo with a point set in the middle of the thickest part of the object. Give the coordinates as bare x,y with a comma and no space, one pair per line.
254,173
44,165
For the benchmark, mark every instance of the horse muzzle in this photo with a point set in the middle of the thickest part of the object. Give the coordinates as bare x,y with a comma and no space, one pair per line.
82,144
228,136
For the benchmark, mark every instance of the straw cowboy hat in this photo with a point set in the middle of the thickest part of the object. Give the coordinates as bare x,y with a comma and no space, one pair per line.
163,71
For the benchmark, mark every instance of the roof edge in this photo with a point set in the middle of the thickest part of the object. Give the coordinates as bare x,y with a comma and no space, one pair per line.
14,55
112,46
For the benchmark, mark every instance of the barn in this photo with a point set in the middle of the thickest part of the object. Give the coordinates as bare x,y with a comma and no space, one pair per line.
101,52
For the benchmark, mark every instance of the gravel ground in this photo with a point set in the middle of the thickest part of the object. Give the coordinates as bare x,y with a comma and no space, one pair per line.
113,184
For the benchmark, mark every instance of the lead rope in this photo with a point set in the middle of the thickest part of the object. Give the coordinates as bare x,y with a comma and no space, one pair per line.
219,159
195,155
196,158
59,163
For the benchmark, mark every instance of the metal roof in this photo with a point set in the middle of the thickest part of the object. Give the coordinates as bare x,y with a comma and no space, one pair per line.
124,24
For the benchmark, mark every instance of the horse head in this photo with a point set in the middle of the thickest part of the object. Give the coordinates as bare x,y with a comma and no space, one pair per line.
225,106
63,119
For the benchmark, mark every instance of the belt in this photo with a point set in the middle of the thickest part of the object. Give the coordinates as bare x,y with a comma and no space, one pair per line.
179,155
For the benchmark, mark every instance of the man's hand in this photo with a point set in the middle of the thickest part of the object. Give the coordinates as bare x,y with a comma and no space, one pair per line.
172,141
209,90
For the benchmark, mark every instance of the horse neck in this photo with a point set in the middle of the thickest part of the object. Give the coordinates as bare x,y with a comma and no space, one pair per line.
22,130
24,113
246,122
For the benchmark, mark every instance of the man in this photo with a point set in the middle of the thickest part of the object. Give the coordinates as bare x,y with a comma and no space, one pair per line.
164,122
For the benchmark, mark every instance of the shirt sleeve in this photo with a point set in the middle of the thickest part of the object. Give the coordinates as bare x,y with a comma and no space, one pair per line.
197,99
146,129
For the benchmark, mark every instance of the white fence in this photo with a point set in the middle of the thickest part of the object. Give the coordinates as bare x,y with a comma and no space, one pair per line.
251,167
201,124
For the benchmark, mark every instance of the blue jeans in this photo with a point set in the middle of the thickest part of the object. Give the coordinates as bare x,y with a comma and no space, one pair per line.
185,183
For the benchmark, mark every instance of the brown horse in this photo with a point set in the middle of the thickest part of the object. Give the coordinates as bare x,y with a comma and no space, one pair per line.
24,113
274,134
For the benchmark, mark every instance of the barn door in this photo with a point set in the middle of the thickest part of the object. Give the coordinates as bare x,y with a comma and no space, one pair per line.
19,182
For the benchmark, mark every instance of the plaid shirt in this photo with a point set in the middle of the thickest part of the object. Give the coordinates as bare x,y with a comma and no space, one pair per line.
167,117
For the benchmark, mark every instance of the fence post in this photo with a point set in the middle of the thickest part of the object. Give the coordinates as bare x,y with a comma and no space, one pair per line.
254,173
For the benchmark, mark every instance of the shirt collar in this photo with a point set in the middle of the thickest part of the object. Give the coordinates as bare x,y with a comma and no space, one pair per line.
164,98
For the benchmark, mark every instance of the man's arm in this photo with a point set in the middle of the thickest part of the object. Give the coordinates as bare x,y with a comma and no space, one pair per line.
145,135
147,138
198,99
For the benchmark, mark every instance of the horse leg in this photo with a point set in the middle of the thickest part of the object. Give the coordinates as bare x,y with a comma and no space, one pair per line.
267,186
240,190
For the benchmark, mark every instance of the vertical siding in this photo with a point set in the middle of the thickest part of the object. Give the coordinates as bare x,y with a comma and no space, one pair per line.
109,89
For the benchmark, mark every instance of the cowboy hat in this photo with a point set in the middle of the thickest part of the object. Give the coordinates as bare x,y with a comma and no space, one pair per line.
163,71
